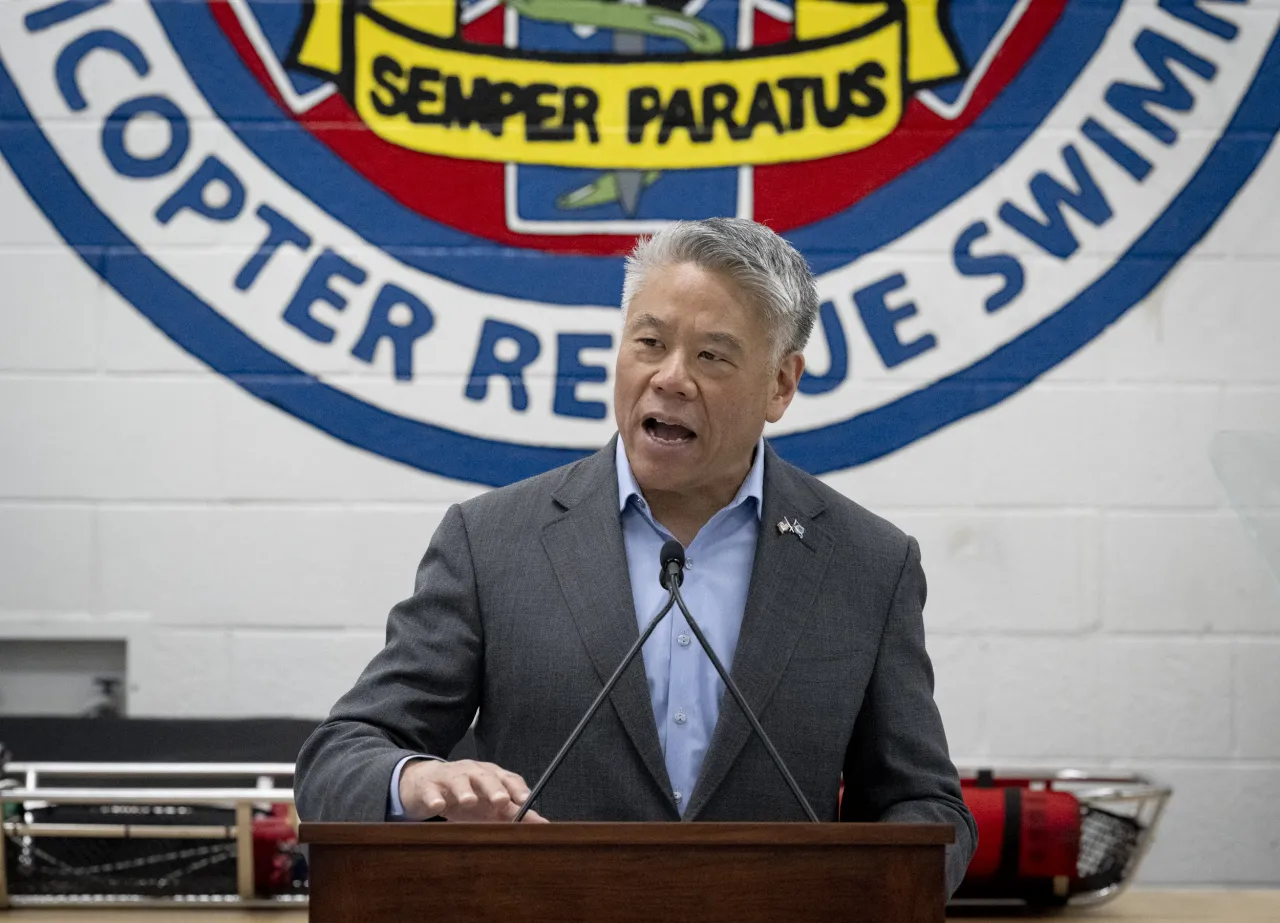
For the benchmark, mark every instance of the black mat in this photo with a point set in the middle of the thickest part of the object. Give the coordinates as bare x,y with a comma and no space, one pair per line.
164,740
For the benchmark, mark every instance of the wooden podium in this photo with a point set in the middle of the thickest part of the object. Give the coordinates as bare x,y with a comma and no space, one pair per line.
642,872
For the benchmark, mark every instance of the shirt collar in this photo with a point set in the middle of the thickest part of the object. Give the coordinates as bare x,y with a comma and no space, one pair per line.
752,486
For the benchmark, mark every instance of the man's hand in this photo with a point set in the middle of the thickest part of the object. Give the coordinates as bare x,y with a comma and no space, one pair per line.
464,790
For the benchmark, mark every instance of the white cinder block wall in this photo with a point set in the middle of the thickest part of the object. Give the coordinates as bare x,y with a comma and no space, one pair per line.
1094,600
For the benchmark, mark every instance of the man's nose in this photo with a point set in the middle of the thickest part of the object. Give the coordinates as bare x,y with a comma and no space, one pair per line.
673,376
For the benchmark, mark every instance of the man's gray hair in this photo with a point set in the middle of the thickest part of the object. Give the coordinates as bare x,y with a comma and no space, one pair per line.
768,270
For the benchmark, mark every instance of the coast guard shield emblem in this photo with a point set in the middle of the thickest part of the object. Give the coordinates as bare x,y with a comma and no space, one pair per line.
402,220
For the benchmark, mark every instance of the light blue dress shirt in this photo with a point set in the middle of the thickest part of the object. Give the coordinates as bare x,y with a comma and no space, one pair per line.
683,685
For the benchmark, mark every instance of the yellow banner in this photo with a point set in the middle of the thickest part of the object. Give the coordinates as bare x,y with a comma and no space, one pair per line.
839,87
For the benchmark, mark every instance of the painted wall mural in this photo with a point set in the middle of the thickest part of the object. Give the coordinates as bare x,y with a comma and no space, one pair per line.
402,221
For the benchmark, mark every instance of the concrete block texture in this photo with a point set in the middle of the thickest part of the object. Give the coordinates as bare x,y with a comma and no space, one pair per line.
1251,232
265,454
1222,826
87,437
1256,691
180,672
128,343
1185,572
47,555
48,310
961,689
1110,445
296,673
1251,408
261,566
1091,698
1065,444
995,571
1209,320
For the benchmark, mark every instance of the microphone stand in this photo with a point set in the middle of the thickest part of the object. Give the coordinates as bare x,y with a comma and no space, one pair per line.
742,702
595,706
671,577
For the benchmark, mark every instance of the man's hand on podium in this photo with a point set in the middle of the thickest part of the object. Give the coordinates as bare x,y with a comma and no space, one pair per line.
463,790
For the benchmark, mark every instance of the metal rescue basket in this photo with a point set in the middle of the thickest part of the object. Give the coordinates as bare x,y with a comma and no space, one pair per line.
210,834
1048,838
149,834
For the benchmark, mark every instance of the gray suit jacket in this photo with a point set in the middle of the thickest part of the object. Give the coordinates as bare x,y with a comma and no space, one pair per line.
523,608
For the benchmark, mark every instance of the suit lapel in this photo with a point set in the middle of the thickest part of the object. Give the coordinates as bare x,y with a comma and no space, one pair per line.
586,549
784,581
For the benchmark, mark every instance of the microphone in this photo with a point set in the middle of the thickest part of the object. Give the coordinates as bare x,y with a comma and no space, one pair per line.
672,577
604,693
672,558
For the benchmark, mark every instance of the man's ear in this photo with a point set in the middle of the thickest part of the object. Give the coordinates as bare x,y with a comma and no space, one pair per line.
785,383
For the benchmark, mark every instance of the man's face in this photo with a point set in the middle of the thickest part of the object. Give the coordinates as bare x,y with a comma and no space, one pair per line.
696,382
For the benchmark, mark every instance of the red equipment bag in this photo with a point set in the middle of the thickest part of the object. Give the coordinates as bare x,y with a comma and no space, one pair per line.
275,849
1028,841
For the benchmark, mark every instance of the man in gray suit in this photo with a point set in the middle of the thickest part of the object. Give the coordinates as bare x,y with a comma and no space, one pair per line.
529,596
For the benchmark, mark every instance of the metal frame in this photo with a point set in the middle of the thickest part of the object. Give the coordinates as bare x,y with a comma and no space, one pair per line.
32,771
1098,788
31,790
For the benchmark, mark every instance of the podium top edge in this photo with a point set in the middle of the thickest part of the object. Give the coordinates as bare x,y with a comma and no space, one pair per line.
628,834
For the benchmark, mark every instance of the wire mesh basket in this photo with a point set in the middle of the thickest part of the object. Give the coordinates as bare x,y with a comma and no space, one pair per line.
1118,814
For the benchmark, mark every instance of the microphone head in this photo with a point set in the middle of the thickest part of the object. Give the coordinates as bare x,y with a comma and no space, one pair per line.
672,557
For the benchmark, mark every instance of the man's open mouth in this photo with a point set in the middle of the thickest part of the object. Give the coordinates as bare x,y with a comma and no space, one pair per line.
669,433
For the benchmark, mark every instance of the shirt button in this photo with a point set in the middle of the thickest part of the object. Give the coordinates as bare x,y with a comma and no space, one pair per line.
683,640
688,563
679,797
680,717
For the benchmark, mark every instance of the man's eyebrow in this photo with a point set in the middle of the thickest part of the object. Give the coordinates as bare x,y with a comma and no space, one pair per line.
647,320
721,338
726,340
